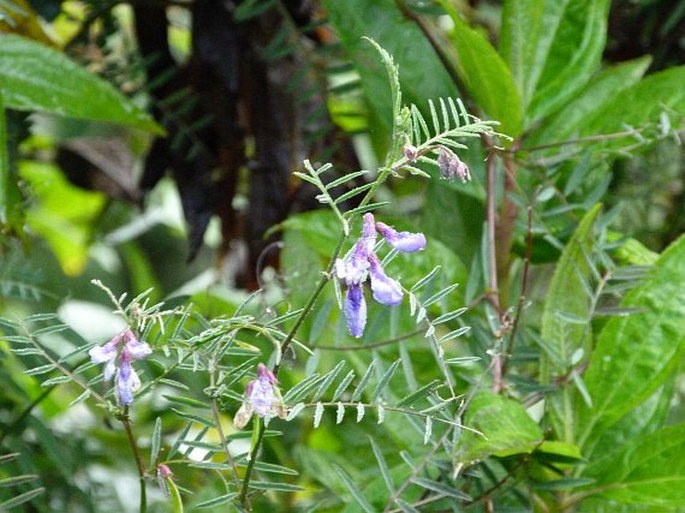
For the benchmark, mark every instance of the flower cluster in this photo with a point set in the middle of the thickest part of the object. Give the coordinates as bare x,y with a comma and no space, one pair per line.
362,262
262,397
117,355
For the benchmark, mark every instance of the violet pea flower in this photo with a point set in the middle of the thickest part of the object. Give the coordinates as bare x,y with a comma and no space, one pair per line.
385,290
406,242
117,355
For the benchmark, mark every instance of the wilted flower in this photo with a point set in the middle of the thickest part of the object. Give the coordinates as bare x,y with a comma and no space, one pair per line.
117,355
362,262
451,166
261,397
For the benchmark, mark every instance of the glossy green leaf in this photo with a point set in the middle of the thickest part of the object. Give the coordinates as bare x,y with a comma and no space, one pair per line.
636,354
570,121
641,104
649,471
502,425
554,451
639,422
553,47
35,77
422,75
485,75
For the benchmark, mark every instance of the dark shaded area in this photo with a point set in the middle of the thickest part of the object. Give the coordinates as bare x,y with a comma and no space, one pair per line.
654,27
252,81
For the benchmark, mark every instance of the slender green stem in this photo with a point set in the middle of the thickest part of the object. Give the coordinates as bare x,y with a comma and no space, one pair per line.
126,421
220,431
250,464
374,345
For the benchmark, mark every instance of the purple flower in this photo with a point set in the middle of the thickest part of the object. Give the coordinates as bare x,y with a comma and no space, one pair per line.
385,290
261,397
355,310
402,241
362,262
117,355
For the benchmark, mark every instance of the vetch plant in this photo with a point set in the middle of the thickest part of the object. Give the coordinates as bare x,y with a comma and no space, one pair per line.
495,387
220,352
362,262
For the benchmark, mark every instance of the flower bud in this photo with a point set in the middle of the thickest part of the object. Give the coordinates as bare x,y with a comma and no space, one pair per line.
451,166
411,153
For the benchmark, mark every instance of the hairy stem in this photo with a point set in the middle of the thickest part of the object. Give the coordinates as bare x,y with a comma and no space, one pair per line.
522,296
126,421
490,221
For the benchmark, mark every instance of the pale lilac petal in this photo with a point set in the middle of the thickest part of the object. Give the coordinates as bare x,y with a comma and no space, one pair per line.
262,398
355,310
354,269
367,241
385,290
407,242
138,349
109,370
104,353
127,382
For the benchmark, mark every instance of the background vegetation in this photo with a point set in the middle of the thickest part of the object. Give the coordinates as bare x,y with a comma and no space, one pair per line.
158,148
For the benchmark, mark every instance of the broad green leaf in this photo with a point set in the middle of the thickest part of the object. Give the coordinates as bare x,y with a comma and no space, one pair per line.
570,120
35,77
567,299
639,422
422,75
641,103
636,354
63,214
485,75
503,428
649,471
552,47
